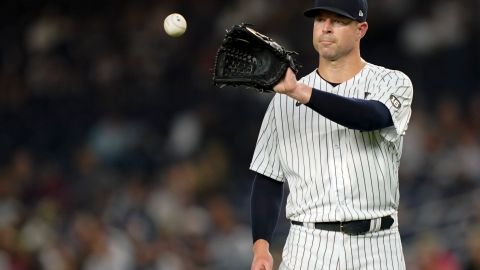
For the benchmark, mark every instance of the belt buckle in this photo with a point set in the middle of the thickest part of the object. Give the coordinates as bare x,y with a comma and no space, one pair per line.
342,229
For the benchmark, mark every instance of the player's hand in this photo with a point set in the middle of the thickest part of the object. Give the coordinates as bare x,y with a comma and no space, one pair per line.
292,88
262,259
288,84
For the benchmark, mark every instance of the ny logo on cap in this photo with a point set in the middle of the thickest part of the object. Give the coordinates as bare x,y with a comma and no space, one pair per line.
360,13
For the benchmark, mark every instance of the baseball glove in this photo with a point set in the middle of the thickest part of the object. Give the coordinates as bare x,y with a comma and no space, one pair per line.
249,58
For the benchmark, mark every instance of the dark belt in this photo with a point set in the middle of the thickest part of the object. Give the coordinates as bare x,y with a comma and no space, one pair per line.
354,227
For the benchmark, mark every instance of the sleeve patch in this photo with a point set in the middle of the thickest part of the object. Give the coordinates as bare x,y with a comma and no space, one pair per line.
395,102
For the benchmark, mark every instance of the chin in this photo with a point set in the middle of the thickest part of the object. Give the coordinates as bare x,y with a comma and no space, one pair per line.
329,56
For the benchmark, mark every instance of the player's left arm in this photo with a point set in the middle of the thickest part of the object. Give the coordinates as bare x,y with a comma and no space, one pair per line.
353,113
395,91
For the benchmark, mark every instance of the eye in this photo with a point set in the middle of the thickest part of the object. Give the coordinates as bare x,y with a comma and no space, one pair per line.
343,21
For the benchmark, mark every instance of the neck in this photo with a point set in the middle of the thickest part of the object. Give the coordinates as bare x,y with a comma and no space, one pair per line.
340,70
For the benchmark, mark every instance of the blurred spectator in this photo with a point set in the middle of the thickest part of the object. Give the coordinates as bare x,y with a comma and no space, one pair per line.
430,255
103,246
230,245
473,246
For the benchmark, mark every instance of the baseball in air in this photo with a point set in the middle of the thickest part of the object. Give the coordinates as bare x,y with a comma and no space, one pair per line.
175,25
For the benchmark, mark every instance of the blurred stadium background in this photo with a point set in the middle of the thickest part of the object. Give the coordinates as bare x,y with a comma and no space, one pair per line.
117,153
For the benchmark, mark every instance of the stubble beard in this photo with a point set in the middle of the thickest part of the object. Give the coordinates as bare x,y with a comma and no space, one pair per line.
330,54
333,53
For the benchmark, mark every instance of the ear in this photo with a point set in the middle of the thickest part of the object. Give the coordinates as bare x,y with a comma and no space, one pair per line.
362,29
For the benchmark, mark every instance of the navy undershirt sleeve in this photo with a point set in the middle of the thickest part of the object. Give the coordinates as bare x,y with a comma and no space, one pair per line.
266,200
352,113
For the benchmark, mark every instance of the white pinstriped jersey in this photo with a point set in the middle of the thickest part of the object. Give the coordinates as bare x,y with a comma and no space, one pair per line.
335,173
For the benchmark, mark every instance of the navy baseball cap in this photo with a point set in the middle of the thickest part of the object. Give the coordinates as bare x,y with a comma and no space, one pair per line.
353,9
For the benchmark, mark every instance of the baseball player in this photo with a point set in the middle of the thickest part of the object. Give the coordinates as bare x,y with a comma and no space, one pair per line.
336,137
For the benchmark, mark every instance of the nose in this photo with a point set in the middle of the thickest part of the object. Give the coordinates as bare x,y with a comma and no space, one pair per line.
327,25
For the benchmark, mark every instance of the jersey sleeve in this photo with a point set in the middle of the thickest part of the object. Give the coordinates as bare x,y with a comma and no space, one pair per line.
395,90
265,157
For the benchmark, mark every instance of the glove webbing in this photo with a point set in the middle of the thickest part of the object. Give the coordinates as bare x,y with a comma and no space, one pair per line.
239,62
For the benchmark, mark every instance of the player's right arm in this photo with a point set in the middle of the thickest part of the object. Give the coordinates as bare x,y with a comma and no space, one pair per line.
267,189
266,200
262,258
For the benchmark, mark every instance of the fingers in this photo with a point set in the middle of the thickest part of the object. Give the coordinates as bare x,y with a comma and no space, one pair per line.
262,262
262,266
290,76
280,87
289,73
287,84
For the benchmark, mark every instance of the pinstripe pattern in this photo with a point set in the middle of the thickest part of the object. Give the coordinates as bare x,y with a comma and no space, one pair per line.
337,174
311,249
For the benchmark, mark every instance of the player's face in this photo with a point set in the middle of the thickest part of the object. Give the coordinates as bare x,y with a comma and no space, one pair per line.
335,36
